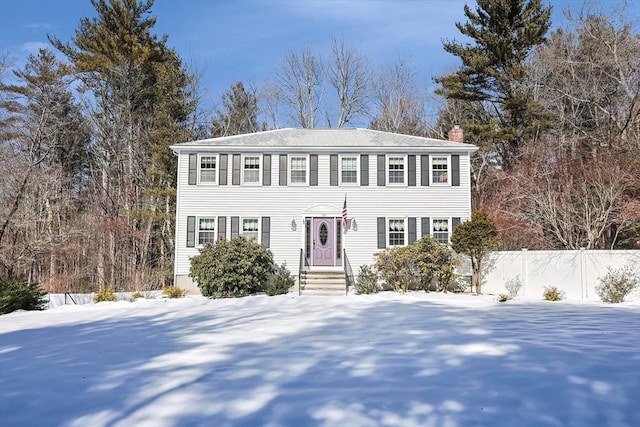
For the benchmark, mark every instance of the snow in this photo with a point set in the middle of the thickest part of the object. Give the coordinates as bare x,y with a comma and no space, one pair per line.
389,359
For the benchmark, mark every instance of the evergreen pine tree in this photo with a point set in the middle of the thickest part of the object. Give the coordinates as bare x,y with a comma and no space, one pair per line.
494,70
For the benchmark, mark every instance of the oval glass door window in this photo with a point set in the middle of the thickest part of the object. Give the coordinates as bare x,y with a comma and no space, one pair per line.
324,234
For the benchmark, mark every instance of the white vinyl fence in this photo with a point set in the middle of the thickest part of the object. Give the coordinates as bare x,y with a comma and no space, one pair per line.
56,300
575,272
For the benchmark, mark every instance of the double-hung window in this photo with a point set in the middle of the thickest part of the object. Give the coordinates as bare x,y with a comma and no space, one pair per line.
396,232
396,168
298,167
349,169
206,230
208,169
440,169
251,170
441,230
250,228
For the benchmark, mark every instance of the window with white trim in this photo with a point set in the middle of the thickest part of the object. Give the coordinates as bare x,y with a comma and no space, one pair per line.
206,230
440,169
396,231
396,169
298,169
251,170
440,231
208,169
349,170
250,228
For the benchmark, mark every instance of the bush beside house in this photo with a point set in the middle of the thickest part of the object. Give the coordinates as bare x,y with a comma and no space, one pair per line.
232,268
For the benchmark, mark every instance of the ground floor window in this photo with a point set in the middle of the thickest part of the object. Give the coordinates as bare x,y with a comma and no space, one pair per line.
396,232
206,230
441,230
250,228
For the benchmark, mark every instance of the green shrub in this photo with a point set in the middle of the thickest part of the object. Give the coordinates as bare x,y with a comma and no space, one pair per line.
617,284
231,268
397,267
367,281
417,266
281,282
434,261
137,295
16,294
106,294
552,293
504,297
173,292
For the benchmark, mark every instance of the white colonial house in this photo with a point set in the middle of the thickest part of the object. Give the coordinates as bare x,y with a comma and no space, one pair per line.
324,201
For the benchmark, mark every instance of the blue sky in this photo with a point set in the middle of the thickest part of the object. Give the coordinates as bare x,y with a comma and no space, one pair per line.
245,40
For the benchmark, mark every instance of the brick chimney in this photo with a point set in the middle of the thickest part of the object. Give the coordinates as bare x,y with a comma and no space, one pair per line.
456,134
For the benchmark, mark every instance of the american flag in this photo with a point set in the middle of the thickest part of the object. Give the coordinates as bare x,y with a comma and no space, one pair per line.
344,212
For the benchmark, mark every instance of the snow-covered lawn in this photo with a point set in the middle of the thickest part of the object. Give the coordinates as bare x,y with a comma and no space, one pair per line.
383,360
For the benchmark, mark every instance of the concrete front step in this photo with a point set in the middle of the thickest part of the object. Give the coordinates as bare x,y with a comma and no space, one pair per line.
323,282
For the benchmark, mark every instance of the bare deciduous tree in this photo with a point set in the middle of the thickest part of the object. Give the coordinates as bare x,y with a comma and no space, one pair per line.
349,75
399,104
301,80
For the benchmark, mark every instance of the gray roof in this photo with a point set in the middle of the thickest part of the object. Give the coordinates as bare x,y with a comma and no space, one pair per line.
343,138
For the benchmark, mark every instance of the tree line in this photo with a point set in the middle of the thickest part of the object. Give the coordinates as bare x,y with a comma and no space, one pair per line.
87,196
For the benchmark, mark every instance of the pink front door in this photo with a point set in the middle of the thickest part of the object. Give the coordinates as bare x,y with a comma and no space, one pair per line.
323,241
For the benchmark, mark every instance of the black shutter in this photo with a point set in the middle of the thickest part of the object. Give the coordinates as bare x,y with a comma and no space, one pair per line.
455,170
235,176
412,170
266,231
412,230
222,228
424,170
224,164
266,169
235,226
313,170
191,231
381,170
333,169
382,233
364,170
193,169
454,223
283,169
425,224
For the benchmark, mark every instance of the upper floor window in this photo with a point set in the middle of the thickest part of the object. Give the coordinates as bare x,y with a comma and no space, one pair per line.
349,169
396,232
250,228
251,170
440,169
396,168
206,230
441,230
298,167
208,169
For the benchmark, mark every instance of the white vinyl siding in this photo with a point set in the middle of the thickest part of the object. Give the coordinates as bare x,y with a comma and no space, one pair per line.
396,170
251,171
441,230
396,231
208,168
251,229
365,205
298,170
206,230
440,170
349,170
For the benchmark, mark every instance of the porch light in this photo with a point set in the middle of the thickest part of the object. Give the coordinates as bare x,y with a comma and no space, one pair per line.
354,224
294,226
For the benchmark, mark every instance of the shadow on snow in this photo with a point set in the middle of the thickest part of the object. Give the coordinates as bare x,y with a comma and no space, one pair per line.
388,363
